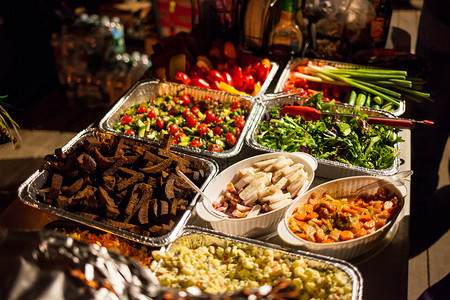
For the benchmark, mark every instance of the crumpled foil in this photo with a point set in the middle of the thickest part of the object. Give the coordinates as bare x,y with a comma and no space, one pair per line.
51,265
48,265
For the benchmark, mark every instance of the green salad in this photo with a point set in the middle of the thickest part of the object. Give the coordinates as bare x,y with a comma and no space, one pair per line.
352,141
202,123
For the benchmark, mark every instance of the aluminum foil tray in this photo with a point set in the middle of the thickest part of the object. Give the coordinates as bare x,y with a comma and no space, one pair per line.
326,168
29,190
295,62
196,236
146,90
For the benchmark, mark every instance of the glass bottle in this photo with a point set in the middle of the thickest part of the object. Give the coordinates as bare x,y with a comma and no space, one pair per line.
379,27
287,32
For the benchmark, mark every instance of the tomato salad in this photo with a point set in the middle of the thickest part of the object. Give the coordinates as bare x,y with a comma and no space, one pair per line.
325,219
205,123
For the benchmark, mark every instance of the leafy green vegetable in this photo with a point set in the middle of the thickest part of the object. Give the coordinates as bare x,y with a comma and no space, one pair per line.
351,141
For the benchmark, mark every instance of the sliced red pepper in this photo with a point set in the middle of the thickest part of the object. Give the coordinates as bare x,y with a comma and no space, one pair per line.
200,82
215,85
183,78
249,81
215,75
238,78
228,78
308,113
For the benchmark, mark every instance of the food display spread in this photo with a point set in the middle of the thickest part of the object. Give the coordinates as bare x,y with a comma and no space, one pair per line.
324,219
203,123
352,141
227,266
112,180
267,185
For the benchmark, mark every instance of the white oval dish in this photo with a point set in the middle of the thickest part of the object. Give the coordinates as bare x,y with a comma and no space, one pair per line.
254,226
346,249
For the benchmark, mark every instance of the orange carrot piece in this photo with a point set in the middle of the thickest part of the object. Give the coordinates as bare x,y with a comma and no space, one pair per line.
369,224
320,235
364,218
301,216
310,231
346,208
356,208
346,235
308,208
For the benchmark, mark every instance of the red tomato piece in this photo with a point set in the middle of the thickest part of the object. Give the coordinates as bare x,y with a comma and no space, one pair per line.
202,128
195,110
160,123
235,104
173,128
186,113
238,131
231,139
194,143
129,131
215,148
151,114
218,120
142,109
125,120
210,117
191,121
217,130
186,99
240,122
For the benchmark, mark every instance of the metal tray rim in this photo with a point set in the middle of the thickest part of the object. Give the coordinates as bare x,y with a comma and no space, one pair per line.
398,112
223,155
343,265
251,142
25,196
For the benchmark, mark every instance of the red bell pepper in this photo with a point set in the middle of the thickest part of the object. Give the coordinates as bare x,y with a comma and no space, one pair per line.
214,75
200,82
228,78
182,78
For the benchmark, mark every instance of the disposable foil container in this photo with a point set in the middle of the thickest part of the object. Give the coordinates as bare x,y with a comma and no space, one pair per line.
146,90
326,168
29,190
197,236
295,62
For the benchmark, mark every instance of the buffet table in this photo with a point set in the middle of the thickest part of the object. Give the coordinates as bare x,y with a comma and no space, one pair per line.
384,271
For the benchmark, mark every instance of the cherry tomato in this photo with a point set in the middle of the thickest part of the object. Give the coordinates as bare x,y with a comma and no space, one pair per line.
142,109
151,114
194,143
217,130
129,131
231,139
195,110
182,78
174,141
173,128
191,121
125,120
160,123
186,113
207,99
186,99
218,120
210,117
235,104
240,122
179,134
202,128
238,131
215,148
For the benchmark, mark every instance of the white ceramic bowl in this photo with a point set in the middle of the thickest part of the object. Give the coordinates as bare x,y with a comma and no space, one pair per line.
346,249
255,226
